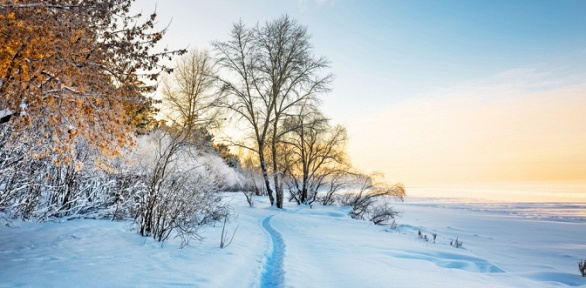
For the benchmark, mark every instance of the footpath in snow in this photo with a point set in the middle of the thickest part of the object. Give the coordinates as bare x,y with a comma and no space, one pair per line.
273,274
304,247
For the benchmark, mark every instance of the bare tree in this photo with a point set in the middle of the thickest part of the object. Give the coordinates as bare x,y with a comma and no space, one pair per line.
269,71
190,97
316,154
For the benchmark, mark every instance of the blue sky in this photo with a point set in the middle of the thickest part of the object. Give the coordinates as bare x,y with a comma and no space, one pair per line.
435,91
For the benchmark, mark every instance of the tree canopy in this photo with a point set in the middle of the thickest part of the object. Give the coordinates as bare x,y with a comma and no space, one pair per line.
72,69
271,72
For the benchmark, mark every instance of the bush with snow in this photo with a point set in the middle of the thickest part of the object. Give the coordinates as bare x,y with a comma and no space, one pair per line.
382,214
582,267
181,187
33,186
370,201
254,182
456,243
166,185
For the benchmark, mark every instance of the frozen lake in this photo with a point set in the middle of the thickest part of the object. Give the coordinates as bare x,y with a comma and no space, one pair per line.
504,193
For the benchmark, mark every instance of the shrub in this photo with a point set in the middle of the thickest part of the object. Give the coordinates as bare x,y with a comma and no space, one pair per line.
582,267
456,243
249,198
224,236
180,194
41,189
253,181
382,214
366,203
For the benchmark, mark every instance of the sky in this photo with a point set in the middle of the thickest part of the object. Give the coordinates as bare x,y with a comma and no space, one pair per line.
434,92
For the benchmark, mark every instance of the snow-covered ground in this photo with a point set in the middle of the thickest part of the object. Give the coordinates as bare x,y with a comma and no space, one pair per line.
503,246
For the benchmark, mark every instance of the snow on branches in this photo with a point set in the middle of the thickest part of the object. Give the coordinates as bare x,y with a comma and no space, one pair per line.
76,69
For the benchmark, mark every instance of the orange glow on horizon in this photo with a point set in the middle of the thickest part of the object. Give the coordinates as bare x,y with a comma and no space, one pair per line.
461,139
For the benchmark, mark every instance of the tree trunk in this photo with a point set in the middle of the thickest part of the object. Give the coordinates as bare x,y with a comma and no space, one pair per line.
278,190
304,189
265,174
276,172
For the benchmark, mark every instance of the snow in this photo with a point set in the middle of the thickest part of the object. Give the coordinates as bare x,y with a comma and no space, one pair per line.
5,112
273,273
311,247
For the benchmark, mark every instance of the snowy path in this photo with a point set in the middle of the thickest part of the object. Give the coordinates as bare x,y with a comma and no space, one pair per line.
320,247
273,274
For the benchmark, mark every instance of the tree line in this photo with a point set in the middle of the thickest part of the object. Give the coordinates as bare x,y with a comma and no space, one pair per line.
80,134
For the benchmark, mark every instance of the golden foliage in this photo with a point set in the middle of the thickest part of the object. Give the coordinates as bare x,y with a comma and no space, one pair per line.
68,68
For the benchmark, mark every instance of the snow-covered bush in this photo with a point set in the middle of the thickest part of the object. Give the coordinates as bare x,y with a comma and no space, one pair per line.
181,188
582,267
424,236
334,183
166,185
15,177
456,243
382,213
253,181
78,189
228,178
37,187
369,202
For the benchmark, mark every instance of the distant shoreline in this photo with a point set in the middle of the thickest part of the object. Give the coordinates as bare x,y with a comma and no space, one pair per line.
546,192
556,212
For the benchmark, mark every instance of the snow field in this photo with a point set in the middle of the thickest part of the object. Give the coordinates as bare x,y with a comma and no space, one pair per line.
98,253
319,247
